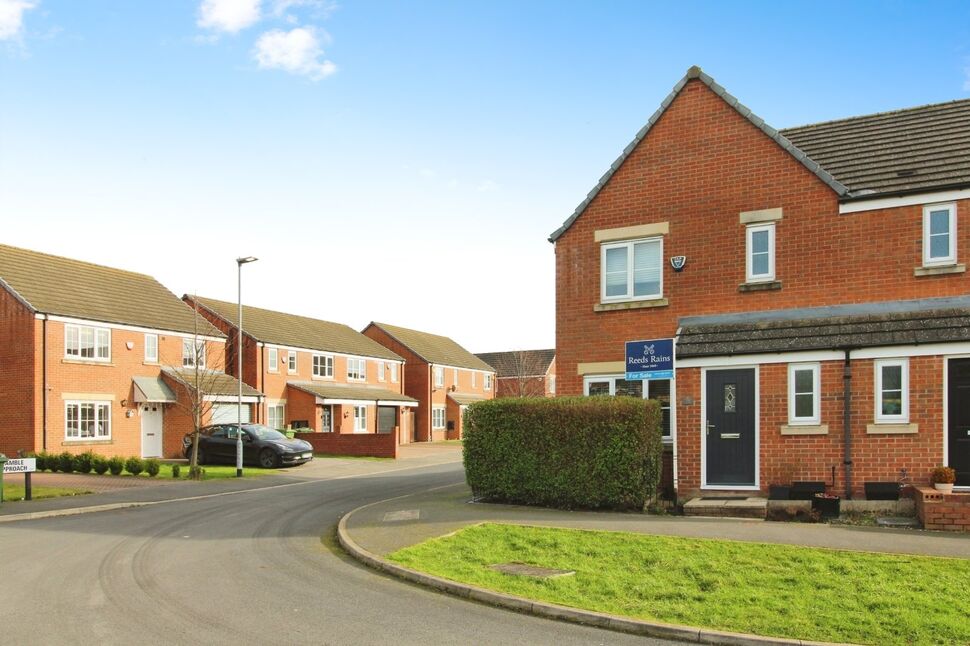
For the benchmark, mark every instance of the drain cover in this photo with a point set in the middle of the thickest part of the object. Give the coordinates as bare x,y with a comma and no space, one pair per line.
522,569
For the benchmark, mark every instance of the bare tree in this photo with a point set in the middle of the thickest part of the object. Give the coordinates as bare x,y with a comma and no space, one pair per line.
528,373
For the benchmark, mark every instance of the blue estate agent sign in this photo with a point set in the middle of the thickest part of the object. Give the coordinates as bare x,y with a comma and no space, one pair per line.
650,359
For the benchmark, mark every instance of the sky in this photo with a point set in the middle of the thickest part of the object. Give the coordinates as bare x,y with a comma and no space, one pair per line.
402,162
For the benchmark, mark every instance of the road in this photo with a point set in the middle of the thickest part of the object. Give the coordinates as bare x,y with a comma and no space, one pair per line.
259,567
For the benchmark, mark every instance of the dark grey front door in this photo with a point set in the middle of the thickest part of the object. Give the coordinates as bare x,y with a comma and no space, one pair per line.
730,425
958,419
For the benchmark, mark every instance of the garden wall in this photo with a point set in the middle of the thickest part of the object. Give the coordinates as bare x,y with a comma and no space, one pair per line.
375,445
945,511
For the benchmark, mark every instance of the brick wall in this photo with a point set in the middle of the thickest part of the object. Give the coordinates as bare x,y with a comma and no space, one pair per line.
378,445
942,511
19,381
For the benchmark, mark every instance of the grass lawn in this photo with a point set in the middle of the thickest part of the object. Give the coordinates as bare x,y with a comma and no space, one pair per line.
775,590
212,471
14,493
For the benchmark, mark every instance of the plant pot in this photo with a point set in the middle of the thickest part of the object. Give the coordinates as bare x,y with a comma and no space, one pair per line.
805,490
945,487
882,490
826,505
779,492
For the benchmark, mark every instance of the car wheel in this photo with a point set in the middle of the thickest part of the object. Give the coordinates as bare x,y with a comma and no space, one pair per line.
268,459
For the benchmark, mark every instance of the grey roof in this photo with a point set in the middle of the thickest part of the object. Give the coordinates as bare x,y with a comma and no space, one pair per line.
696,73
832,328
903,151
435,348
519,363
464,399
360,393
211,382
280,328
72,288
152,389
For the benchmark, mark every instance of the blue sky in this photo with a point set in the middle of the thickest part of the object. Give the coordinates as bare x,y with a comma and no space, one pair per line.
400,162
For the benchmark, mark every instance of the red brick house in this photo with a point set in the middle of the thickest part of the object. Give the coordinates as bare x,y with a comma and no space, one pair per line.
316,375
523,373
101,359
441,375
813,279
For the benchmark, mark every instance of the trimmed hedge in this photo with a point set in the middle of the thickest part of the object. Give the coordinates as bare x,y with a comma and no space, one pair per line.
566,452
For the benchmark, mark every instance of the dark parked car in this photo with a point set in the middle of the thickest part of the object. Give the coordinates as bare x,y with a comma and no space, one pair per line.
261,445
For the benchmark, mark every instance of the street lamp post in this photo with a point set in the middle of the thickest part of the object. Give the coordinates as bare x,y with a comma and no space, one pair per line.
239,376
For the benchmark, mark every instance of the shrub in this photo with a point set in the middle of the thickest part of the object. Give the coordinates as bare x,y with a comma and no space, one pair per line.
943,475
196,473
100,464
134,465
65,462
116,465
567,452
42,459
176,470
152,467
82,462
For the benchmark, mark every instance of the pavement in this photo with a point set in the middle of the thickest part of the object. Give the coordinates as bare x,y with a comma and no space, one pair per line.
387,526
253,566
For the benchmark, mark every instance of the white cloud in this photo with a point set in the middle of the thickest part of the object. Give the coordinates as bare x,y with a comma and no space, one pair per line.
320,8
12,17
296,51
228,15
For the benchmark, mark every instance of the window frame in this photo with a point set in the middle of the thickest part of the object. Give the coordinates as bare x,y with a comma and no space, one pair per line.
96,340
280,408
816,417
487,385
98,406
439,376
360,365
611,381
630,246
273,359
438,411
750,230
325,363
292,364
951,257
151,358
394,371
880,417
474,379
380,371
193,353
360,415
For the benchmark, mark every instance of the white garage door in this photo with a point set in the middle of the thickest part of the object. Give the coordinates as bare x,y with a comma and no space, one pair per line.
227,413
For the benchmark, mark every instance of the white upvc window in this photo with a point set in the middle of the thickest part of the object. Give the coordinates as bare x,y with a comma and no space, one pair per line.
89,343
276,416
439,376
291,362
356,369
488,381
760,253
454,376
804,393
474,379
619,386
631,270
85,420
380,371
322,365
360,419
892,390
551,384
273,360
438,417
940,234
193,353
394,373
151,348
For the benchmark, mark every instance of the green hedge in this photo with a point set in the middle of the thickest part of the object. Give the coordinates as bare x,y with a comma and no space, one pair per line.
566,452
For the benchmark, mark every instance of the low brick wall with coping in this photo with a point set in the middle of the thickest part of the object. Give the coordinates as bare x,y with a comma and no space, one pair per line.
374,445
942,511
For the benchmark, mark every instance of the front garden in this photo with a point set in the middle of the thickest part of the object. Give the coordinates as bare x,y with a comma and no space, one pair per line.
92,463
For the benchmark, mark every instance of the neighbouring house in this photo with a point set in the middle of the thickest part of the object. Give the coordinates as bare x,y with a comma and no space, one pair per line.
316,375
90,354
441,375
523,373
814,281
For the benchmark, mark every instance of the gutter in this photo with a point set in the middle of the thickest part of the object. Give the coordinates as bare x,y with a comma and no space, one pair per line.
849,197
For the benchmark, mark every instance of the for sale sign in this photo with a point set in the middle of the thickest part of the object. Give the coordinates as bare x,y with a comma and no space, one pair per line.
652,359
20,465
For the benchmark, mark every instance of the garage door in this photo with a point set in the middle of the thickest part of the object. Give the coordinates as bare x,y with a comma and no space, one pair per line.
226,413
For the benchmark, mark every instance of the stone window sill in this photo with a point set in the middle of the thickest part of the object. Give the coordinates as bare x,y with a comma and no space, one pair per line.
766,286
630,305
86,442
940,271
892,429
84,362
806,429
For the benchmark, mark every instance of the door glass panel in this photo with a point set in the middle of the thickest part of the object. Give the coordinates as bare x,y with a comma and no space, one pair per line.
730,398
